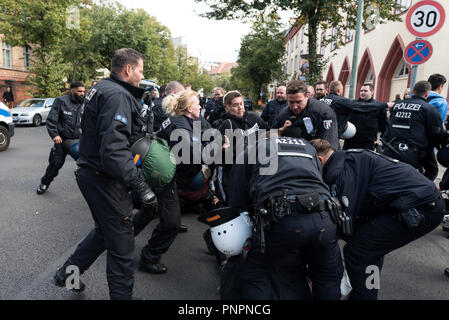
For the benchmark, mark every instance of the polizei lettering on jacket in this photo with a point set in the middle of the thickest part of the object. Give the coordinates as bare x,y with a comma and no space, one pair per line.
407,106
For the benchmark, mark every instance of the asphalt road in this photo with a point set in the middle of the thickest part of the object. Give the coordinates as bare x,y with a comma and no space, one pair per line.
39,232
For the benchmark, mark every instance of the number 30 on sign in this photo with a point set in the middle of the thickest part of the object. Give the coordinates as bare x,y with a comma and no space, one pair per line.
425,18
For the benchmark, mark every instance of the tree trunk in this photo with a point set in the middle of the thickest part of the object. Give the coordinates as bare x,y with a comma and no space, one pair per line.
75,69
314,65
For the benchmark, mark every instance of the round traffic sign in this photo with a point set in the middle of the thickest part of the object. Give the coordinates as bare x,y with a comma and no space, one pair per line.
418,52
425,18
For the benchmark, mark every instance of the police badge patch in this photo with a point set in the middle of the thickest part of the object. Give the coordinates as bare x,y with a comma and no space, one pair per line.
327,124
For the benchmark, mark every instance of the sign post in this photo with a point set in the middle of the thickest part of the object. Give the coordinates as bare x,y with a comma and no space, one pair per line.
424,19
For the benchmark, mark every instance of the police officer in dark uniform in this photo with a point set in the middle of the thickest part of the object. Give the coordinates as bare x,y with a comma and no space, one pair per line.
62,124
111,122
288,194
389,202
243,125
274,107
414,126
372,120
306,117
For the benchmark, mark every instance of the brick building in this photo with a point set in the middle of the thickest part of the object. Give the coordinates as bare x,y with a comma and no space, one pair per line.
14,69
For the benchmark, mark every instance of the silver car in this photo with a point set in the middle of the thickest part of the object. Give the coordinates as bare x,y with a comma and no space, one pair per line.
32,111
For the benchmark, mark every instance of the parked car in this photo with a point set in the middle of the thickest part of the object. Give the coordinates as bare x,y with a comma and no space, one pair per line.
32,111
6,127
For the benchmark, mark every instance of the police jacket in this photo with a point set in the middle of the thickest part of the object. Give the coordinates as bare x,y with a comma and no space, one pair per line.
292,164
63,118
271,111
342,115
159,114
316,121
241,128
415,122
369,118
185,134
375,184
112,120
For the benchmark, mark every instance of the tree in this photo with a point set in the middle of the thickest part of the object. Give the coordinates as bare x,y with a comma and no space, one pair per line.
261,54
41,24
322,14
116,27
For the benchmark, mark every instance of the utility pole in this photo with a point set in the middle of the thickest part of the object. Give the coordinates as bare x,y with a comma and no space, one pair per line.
355,55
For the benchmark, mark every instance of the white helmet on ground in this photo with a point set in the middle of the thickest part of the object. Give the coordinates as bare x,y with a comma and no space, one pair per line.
229,228
350,131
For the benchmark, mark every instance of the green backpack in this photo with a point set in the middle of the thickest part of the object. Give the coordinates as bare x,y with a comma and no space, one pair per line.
157,162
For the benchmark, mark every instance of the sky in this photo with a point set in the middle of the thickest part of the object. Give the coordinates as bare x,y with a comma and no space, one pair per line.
209,40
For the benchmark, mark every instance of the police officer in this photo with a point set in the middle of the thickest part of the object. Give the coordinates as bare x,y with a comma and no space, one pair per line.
390,205
272,109
290,187
368,123
159,114
414,126
305,117
62,124
111,122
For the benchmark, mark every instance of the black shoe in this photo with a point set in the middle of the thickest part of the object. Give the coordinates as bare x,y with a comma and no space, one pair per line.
155,268
446,272
183,229
60,278
42,188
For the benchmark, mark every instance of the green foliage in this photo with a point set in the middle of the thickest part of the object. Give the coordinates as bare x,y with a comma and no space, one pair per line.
322,14
261,55
61,53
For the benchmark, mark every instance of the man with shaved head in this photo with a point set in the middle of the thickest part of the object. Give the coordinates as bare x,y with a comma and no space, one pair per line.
272,109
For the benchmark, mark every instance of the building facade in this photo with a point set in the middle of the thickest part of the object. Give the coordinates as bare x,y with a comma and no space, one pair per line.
381,59
15,63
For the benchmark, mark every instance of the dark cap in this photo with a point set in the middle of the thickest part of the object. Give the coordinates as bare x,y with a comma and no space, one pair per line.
219,216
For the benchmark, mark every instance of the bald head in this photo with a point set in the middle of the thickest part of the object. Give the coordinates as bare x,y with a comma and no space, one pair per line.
174,87
336,87
281,93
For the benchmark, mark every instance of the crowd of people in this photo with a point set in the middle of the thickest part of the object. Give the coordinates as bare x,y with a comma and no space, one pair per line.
359,171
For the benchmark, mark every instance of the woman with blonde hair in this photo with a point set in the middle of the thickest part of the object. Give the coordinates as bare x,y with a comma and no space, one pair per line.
191,177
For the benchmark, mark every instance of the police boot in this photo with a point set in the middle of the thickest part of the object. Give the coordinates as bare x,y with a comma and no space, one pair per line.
42,188
155,268
446,272
60,279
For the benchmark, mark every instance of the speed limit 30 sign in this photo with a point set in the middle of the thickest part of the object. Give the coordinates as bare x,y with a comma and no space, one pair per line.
425,18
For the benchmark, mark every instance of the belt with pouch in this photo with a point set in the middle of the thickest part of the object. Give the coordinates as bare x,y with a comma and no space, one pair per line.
307,203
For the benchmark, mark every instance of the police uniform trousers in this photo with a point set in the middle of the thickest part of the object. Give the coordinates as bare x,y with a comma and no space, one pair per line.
377,237
56,160
164,234
111,208
315,236
429,165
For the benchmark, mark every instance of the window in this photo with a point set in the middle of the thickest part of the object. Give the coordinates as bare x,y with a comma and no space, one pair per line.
405,4
302,34
402,70
296,63
293,44
334,39
348,35
27,57
291,66
322,46
6,55
296,41
369,77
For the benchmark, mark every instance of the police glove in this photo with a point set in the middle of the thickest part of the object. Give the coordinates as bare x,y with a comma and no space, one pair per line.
143,197
411,218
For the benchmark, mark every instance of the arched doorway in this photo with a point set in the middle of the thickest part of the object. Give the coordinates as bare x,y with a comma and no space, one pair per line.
330,74
393,61
345,72
366,72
